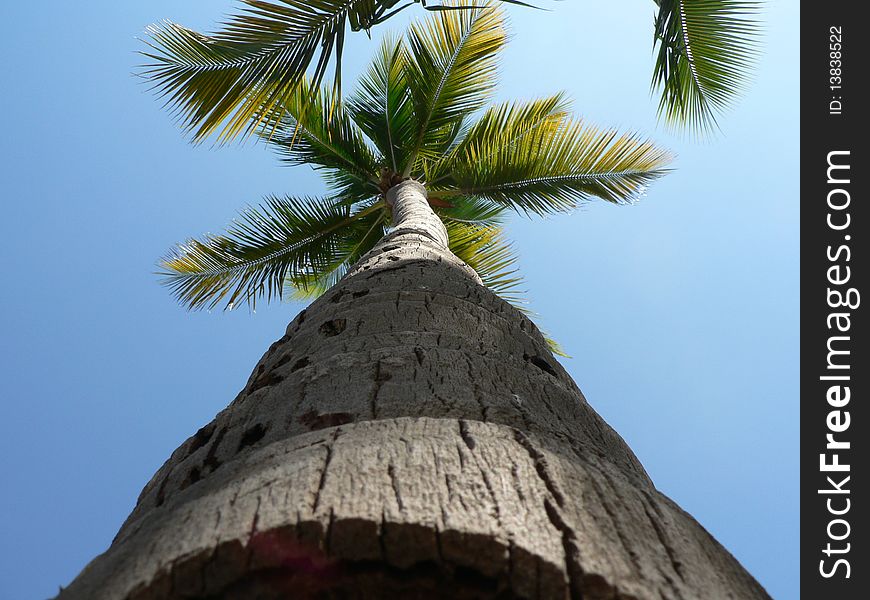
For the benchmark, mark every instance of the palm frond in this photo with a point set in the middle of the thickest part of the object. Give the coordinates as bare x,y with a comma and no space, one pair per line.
554,345
471,210
231,80
451,72
359,237
705,51
499,127
484,249
284,237
381,106
314,128
555,167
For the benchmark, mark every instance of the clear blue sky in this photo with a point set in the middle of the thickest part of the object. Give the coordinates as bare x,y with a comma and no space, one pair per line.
681,313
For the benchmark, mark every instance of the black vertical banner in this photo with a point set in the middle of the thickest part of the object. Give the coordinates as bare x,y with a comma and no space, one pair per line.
835,364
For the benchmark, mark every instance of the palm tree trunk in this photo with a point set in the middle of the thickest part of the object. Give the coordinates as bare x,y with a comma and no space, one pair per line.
409,436
418,233
411,212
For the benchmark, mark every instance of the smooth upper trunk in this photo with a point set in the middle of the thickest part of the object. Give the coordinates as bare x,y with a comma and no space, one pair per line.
412,213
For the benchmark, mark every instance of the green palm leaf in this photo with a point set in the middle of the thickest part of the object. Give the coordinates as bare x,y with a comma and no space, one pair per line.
230,81
285,237
315,129
554,166
484,249
499,127
382,106
471,210
233,79
451,72
359,237
706,48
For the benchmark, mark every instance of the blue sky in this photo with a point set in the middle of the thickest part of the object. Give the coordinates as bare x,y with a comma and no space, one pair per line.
680,313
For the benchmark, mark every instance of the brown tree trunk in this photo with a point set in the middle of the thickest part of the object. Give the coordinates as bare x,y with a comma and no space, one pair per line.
410,436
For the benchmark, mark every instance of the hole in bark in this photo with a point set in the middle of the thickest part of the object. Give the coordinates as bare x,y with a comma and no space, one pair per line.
338,296
211,460
252,436
300,318
383,270
283,360
333,327
192,478
265,380
313,420
360,293
393,258
541,364
300,364
161,492
390,247
201,438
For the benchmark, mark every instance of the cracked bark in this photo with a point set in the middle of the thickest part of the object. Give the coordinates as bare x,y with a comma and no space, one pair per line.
409,435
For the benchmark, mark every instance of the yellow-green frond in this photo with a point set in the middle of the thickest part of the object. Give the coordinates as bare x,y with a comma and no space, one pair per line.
316,129
472,211
556,166
451,72
358,238
502,126
485,249
554,345
381,105
284,237
230,81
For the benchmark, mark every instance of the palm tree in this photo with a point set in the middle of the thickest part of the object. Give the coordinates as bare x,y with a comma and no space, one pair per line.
240,78
408,121
411,435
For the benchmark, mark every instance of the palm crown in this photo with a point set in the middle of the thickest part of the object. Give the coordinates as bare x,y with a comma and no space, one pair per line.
240,78
409,118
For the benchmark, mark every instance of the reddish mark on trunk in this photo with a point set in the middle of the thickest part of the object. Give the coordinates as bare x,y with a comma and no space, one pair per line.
279,548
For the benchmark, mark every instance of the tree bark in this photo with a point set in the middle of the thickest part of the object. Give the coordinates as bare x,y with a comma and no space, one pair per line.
411,212
409,436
